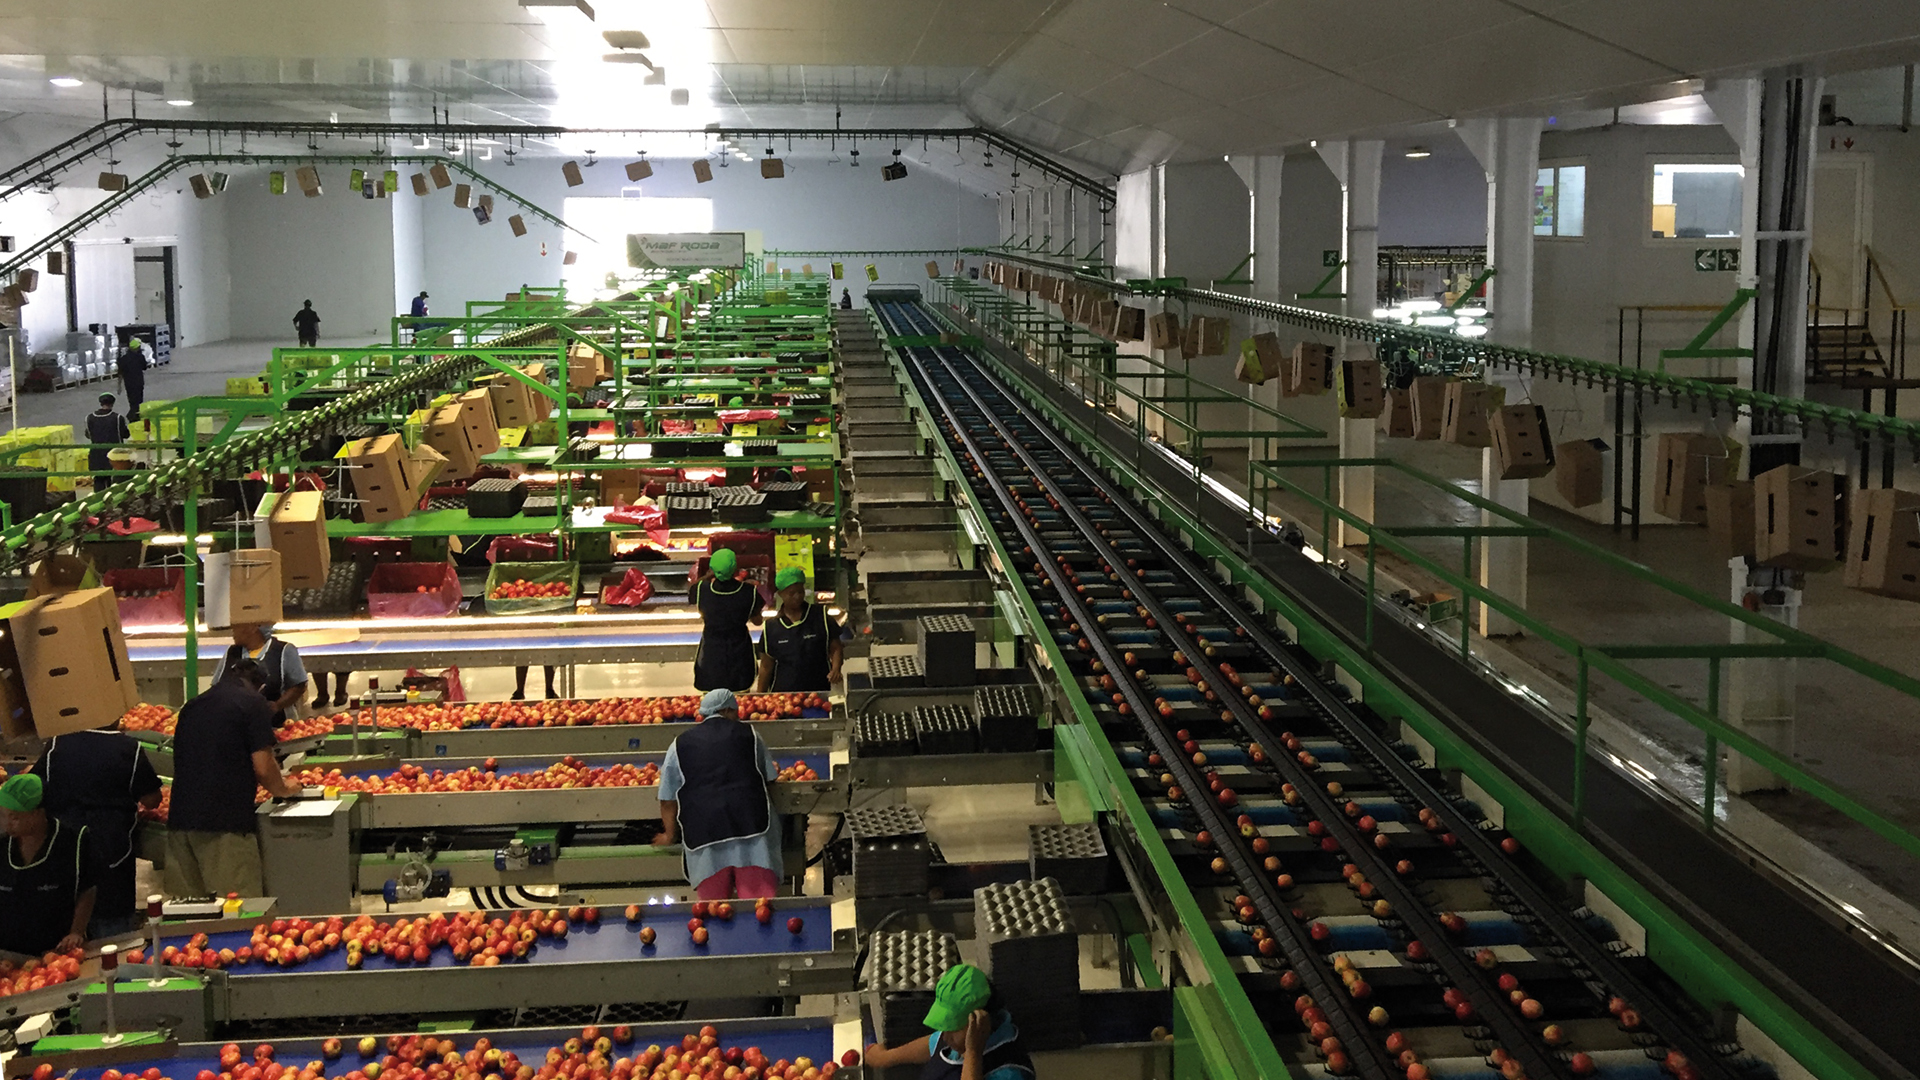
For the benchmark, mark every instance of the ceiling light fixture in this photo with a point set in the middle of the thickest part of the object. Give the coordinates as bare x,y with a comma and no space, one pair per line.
179,103
66,82
1419,152
582,5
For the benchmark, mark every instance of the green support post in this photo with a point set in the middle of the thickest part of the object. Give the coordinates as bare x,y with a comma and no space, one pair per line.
1318,292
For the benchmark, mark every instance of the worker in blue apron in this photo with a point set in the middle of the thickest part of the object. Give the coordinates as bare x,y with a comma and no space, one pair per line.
106,429
800,646
716,801
974,1037
728,605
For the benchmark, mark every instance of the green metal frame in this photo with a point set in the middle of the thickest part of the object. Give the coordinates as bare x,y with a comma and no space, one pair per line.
1319,291
1698,348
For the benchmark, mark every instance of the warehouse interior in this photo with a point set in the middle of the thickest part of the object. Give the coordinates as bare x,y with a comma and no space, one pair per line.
1265,540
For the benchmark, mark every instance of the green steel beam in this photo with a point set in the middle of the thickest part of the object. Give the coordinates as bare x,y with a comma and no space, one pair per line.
1319,291
1473,286
1697,348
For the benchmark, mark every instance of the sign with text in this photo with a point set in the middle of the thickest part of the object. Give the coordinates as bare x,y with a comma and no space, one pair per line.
653,251
1713,260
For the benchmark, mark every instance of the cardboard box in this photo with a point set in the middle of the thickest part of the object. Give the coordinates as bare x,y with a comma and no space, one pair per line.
308,177
1429,394
64,665
61,573
1521,448
1465,420
297,529
1685,465
1249,369
702,171
1272,354
463,195
514,402
933,270
1131,324
446,434
583,367
1798,518
419,183
254,591
388,478
1396,414
1579,471
620,487
571,170
639,170
518,224
1310,370
1729,518
1361,389
476,416
441,178
1883,545
1205,335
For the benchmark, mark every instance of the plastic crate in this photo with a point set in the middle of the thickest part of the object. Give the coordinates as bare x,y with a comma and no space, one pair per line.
495,498
394,591
538,573
149,595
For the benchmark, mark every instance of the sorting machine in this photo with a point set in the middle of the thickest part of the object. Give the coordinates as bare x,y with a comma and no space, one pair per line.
1340,906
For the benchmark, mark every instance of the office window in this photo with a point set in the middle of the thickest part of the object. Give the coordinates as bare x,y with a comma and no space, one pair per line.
1560,201
1696,200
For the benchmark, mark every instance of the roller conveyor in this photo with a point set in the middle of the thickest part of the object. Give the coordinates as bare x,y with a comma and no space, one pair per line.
1444,888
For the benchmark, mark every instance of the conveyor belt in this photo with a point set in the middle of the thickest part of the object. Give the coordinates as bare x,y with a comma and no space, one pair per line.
1803,953
1087,528
494,649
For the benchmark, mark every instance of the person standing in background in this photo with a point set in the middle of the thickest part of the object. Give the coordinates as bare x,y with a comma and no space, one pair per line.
133,375
307,322
419,310
105,429
846,300
99,780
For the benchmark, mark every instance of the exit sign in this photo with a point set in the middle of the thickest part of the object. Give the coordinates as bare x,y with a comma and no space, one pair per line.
1330,257
1713,260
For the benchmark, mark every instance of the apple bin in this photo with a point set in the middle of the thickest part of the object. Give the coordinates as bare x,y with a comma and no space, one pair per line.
508,574
413,590
149,595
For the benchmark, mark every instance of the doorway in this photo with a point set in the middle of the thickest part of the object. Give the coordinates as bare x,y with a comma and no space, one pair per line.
154,287
1841,224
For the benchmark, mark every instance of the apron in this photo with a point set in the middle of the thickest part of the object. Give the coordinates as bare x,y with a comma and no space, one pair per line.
1006,1054
724,797
39,896
270,667
725,658
799,651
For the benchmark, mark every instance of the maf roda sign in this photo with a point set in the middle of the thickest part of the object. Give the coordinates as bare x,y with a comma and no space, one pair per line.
653,251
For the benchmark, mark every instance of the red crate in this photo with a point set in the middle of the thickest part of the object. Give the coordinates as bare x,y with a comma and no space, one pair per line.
149,595
394,591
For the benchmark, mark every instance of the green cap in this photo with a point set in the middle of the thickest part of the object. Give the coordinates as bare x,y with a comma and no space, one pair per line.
737,401
789,575
723,563
961,990
20,793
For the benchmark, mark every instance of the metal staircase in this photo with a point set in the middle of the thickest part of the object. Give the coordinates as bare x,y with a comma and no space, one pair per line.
1843,347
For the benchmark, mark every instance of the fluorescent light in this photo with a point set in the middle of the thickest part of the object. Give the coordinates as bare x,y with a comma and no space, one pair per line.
179,103
1434,320
1421,305
1471,312
1419,152
1385,313
1467,320
67,82
1475,331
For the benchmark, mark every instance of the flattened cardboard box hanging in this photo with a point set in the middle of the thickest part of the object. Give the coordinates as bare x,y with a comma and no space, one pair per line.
772,168
254,592
1130,324
1579,471
1799,518
1247,368
1883,544
463,196
1310,370
298,529
1729,518
1467,407
1521,450
1396,415
1272,355
441,178
519,226
702,170
933,270
571,170
63,665
1686,464
639,170
1362,397
1163,330
419,183
1429,406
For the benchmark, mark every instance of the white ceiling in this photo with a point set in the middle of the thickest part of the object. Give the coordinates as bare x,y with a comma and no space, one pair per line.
1109,84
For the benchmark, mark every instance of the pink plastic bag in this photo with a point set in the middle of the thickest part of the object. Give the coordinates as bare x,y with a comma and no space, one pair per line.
651,518
448,680
633,590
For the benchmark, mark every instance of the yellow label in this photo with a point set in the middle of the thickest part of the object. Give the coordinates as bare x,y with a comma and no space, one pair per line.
794,549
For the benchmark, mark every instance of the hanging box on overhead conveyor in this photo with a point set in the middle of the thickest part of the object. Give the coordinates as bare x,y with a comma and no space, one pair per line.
63,665
446,434
254,592
388,478
297,529
515,404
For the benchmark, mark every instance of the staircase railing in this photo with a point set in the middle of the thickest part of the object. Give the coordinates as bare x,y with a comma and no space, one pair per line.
1895,343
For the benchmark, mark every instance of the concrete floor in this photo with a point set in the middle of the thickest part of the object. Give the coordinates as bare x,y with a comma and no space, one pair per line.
1852,732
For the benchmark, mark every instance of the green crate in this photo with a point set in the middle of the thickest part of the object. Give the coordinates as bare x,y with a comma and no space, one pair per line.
538,573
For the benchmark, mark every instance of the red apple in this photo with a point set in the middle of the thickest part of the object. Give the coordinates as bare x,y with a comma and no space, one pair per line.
795,925
763,913
700,936
723,912
850,1058
633,912
330,1049
695,923
1582,1064
646,935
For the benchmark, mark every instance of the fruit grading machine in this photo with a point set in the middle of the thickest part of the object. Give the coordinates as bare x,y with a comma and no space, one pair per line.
286,969
1335,903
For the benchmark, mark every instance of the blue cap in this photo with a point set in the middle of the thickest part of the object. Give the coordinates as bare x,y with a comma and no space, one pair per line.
717,702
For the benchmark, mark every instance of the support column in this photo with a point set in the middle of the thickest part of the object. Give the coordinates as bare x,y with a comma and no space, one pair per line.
1509,151
1261,174
1356,164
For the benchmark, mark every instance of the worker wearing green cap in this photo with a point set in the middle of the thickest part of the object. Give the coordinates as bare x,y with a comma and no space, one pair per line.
800,648
727,606
973,1037
49,879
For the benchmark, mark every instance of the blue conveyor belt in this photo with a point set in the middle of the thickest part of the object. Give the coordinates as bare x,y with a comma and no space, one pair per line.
612,940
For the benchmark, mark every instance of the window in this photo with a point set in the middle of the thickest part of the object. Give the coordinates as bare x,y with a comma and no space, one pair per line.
1560,201
608,221
1696,199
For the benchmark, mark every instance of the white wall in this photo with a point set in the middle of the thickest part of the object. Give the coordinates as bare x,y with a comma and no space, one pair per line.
166,216
1437,200
816,207
336,250
409,249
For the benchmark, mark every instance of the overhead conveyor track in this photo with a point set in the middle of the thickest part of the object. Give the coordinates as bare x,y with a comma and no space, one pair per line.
1126,592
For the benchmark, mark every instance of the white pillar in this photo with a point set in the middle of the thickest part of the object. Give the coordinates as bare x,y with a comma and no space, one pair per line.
1356,165
1509,151
1261,174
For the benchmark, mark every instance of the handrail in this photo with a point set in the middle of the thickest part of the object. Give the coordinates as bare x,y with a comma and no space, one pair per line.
1880,274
